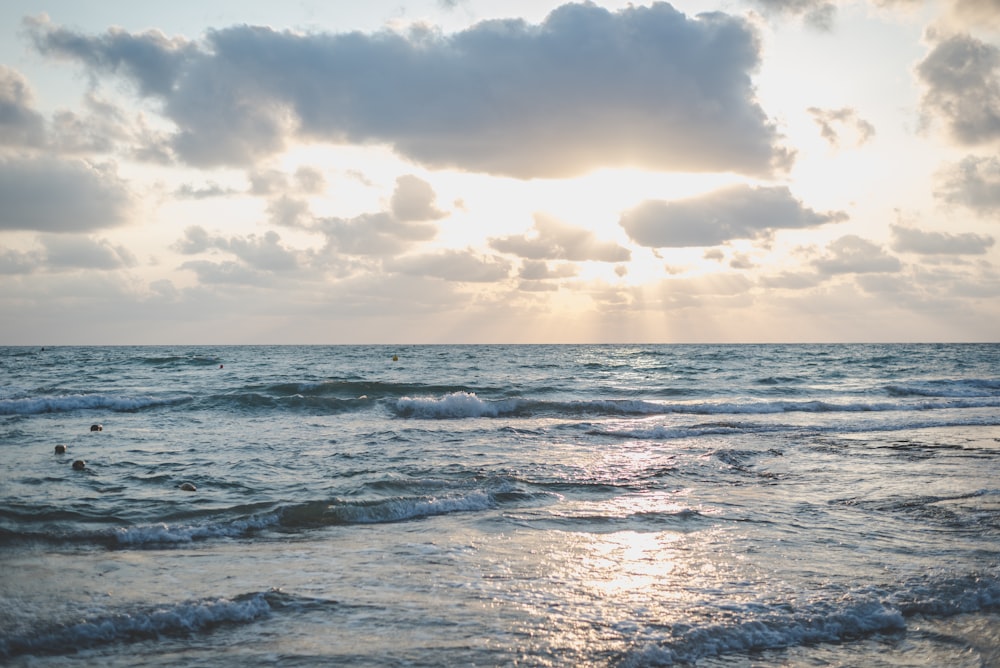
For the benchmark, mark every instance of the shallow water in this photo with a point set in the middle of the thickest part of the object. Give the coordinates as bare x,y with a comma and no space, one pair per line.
501,505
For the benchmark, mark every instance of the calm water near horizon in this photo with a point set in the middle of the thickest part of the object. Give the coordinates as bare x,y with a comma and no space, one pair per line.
531,505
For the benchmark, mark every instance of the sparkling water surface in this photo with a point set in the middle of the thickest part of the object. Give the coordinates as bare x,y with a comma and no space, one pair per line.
710,505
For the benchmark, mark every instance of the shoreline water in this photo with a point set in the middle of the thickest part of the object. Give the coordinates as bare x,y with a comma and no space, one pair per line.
565,505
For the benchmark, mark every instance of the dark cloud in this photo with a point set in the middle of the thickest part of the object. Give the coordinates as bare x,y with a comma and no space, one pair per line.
645,86
853,255
413,199
20,124
910,240
738,212
151,60
551,239
832,122
49,195
962,79
452,265
974,183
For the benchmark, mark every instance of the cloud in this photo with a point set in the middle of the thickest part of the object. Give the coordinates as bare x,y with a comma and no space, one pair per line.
452,265
962,79
909,240
413,199
819,14
551,239
851,254
208,191
151,60
20,124
14,262
78,252
265,253
974,182
372,234
646,87
976,12
50,195
829,120
537,270
738,212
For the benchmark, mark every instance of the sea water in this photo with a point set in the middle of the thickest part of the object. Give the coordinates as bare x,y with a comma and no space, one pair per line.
632,505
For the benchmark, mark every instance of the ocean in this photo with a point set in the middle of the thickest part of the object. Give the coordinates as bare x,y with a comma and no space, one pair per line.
549,505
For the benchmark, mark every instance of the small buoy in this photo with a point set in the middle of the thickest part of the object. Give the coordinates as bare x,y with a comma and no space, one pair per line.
189,487
395,358
60,449
96,427
79,465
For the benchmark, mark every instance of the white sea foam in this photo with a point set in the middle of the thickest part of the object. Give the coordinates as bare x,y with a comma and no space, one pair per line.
456,405
183,618
400,509
814,624
160,534
74,402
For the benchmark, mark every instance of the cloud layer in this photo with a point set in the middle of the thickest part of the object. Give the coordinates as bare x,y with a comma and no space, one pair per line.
644,87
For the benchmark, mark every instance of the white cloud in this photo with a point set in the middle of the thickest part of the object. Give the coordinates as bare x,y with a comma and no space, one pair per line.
974,182
834,122
910,240
551,239
458,266
851,254
413,199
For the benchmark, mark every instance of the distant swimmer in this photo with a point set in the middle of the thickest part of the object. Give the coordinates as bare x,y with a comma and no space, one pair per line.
60,449
189,487
79,465
220,366
96,427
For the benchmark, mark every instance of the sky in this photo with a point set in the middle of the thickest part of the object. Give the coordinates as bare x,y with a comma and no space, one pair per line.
486,171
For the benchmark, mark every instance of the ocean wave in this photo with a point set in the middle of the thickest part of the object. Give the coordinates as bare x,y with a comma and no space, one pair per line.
78,402
457,405
763,626
166,534
468,405
388,510
133,625
968,387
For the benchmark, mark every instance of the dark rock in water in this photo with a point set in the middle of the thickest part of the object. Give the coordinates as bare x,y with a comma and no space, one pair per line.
79,465
189,487
96,427
60,449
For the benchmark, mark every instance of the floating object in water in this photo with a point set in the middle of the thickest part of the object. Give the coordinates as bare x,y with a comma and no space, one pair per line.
79,465
188,487
60,449
96,427
395,358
